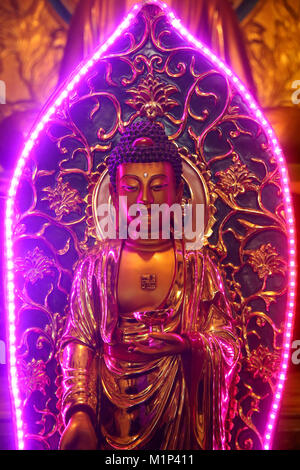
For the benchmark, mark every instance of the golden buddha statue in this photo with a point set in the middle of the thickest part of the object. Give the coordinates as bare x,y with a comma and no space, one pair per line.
149,347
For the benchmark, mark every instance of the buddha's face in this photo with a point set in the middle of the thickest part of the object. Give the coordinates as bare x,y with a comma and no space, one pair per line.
146,184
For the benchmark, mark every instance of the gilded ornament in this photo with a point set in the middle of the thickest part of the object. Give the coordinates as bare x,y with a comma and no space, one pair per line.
266,261
63,199
263,363
33,376
152,97
236,180
35,265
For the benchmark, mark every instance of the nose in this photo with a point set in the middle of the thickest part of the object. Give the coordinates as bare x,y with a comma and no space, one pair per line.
145,196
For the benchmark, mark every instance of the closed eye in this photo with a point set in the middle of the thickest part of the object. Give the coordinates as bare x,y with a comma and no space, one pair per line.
159,187
129,188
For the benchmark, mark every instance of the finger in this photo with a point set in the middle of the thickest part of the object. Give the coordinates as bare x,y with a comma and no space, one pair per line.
167,337
145,349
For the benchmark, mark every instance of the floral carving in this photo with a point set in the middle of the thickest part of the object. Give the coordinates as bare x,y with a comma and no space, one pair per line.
35,265
63,199
263,363
237,179
151,97
265,261
33,376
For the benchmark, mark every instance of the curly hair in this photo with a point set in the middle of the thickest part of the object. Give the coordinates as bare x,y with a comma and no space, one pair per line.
144,142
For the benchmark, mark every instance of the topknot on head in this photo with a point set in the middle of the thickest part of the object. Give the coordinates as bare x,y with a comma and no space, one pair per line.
143,142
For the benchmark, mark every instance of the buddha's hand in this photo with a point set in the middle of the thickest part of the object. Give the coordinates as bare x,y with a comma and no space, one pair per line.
79,434
164,344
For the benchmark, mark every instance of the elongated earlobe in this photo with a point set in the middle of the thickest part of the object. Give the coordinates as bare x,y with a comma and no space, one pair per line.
179,191
113,195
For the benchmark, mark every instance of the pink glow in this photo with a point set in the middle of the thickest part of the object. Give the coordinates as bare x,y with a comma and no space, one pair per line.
59,98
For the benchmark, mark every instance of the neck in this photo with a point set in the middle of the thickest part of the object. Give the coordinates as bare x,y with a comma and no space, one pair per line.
149,244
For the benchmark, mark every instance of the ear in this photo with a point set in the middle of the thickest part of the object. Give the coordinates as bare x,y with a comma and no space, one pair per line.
113,195
179,191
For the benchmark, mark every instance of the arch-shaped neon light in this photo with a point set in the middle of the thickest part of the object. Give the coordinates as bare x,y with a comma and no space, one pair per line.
61,95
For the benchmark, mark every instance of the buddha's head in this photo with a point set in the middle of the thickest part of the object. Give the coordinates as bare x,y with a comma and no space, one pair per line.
145,166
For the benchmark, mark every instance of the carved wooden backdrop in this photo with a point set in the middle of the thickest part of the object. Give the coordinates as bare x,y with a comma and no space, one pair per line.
151,70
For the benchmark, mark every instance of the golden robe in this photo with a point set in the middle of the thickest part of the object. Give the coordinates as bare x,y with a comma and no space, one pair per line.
137,402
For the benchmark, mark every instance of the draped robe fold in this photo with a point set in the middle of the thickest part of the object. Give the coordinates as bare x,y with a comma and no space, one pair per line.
137,402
